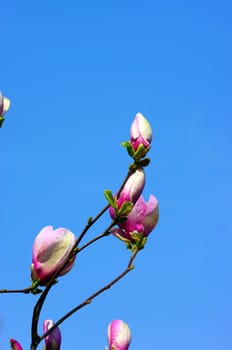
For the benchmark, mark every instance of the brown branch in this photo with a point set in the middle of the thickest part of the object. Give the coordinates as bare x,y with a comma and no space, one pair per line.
24,290
35,339
39,304
91,297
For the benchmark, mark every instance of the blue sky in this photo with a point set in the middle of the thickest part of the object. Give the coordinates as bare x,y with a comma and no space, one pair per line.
76,74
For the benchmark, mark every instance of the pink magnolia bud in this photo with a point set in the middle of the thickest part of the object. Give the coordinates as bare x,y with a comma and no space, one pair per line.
4,104
119,335
50,249
142,219
53,340
15,345
140,132
132,190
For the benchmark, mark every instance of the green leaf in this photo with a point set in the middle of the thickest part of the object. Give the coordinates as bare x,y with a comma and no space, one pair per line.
125,144
125,209
34,287
142,243
129,148
140,152
109,197
139,240
1,120
123,239
144,162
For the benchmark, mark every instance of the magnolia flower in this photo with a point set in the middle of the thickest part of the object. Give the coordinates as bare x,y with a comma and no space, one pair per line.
140,221
4,106
131,191
50,249
15,345
53,340
133,187
119,335
140,132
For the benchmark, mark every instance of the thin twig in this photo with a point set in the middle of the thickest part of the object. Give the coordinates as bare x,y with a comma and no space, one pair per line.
93,296
35,339
104,234
39,304
24,290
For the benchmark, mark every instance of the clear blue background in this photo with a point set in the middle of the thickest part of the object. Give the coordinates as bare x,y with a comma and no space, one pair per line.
77,72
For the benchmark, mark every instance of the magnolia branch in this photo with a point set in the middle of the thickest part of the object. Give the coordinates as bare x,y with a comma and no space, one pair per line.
74,251
91,297
134,217
41,300
24,290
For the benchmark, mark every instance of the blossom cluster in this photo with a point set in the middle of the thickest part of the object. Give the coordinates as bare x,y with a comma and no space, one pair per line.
143,217
133,219
52,247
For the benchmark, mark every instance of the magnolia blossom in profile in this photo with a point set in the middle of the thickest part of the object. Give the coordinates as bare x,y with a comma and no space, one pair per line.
131,190
119,335
53,340
133,187
50,249
141,220
4,104
140,132
15,345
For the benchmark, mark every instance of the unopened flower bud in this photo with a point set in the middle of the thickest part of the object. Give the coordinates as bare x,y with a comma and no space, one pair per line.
15,345
131,190
119,335
140,133
50,250
133,187
53,340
